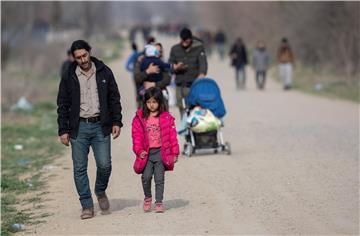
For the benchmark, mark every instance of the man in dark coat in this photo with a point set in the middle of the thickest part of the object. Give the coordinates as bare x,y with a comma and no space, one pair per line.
89,110
239,60
191,52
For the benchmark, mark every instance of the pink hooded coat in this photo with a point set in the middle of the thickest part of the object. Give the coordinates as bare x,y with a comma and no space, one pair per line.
170,146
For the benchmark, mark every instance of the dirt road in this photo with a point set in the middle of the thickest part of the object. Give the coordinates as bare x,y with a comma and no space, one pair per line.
294,170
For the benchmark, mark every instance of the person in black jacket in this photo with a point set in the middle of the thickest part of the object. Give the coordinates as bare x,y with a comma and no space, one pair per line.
190,52
239,60
65,65
89,110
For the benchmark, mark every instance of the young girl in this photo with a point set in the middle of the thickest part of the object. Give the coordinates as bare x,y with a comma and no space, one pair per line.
154,138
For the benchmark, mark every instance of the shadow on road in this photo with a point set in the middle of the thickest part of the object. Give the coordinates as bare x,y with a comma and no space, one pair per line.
120,204
175,203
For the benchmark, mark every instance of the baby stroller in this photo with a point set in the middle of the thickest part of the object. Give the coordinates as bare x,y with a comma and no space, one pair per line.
205,93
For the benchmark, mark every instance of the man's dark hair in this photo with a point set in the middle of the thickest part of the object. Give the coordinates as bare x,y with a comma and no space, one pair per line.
156,93
150,40
185,34
79,44
68,52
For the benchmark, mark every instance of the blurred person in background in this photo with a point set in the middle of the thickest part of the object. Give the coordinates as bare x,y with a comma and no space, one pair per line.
191,52
207,38
238,56
285,59
89,110
152,55
152,69
130,65
132,58
220,40
65,66
260,61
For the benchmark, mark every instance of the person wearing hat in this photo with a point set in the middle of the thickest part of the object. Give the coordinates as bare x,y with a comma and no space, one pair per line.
191,52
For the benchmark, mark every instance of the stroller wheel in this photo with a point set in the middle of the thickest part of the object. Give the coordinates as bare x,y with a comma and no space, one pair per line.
188,150
227,148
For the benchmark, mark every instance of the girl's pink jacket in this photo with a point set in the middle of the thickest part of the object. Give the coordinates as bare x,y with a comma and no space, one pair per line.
170,145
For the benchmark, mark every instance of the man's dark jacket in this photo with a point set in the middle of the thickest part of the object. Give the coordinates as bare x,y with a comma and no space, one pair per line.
68,100
241,55
194,59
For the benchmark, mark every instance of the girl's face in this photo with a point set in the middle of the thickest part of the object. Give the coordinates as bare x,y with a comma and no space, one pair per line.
152,105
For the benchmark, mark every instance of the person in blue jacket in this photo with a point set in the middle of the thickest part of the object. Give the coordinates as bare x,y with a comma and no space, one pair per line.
132,58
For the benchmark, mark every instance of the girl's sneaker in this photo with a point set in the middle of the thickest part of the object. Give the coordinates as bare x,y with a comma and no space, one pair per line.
147,204
159,208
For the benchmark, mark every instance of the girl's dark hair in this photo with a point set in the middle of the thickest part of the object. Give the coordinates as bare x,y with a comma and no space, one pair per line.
155,93
79,44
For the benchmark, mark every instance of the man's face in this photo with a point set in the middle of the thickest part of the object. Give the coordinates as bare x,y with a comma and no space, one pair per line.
186,43
82,57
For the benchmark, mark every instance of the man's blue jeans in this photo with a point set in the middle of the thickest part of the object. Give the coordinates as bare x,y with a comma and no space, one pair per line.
240,72
91,135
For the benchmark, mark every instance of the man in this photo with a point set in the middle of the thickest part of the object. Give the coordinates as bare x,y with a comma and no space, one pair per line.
220,40
141,75
191,52
238,56
260,63
89,110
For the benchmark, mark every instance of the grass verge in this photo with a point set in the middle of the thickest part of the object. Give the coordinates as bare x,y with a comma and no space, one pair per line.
29,142
323,84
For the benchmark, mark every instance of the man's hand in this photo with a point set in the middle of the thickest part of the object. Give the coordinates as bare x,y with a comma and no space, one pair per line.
152,69
115,131
143,154
179,66
64,139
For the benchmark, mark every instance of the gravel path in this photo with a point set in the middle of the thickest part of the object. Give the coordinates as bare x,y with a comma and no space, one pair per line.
294,170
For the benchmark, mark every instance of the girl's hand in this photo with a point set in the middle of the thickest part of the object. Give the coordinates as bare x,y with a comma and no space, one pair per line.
175,159
143,154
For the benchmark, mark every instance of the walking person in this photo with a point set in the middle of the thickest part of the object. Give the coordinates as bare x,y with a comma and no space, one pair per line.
239,61
89,110
130,67
220,40
67,62
152,69
154,139
285,58
191,52
260,63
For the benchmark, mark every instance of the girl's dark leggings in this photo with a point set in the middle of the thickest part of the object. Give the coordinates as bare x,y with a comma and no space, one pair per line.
154,167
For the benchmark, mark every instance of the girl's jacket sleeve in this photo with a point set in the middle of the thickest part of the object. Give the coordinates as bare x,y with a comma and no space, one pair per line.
173,138
138,139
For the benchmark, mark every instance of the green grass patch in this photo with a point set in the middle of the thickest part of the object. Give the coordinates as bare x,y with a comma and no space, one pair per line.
321,83
112,49
28,144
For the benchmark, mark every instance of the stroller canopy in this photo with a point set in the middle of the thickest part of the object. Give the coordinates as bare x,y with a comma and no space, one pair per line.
206,93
